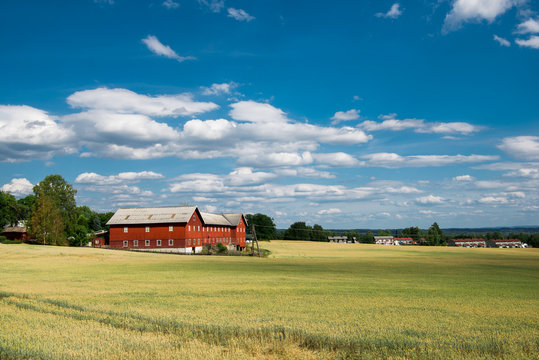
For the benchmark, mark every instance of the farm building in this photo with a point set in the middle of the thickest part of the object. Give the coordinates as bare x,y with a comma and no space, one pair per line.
405,241
467,242
504,243
15,232
384,240
177,229
338,239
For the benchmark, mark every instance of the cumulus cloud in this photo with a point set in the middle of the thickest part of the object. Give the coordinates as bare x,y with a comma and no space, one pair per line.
18,187
127,101
246,176
532,42
154,45
123,177
530,26
501,41
429,200
476,10
218,89
521,147
392,160
338,159
239,14
464,178
390,123
253,111
170,4
393,13
214,5
29,133
352,114
329,211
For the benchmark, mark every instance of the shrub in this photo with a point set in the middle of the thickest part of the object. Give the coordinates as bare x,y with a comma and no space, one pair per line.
221,249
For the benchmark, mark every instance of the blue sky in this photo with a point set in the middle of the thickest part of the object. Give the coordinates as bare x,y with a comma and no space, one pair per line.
349,114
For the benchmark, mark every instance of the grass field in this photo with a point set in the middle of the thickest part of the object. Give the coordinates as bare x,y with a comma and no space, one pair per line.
305,301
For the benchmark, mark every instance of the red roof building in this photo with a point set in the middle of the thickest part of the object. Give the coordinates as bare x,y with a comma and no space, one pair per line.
175,229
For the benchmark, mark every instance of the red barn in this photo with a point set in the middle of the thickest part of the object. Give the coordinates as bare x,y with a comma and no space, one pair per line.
179,229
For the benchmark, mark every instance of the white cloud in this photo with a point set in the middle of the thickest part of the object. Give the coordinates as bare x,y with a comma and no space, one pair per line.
127,101
123,177
521,147
418,125
119,129
430,199
218,89
392,160
532,173
393,13
239,14
329,211
530,26
532,42
304,172
202,199
501,41
338,159
171,4
465,178
28,133
253,111
246,176
339,116
18,187
493,200
214,5
155,46
476,10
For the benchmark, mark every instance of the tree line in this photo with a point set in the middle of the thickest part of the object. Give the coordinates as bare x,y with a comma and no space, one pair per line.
51,214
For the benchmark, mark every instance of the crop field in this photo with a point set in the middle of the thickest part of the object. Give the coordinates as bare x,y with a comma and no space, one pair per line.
304,301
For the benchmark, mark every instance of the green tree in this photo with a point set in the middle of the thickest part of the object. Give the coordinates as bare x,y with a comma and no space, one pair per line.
367,238
264,226
434,235
62,196
298,231
319,234
8,209
25,206
104,218
413,232
46,225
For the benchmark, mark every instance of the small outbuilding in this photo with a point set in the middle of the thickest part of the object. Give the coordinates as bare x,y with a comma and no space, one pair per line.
17,233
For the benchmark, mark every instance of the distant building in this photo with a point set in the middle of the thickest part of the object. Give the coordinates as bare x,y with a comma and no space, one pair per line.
18,232
339,239
467,242
178,229
384,240
504,243
405,241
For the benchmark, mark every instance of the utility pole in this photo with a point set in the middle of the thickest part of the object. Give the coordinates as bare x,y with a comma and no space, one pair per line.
253,241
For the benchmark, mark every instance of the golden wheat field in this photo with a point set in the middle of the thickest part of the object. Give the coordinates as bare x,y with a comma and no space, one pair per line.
304,301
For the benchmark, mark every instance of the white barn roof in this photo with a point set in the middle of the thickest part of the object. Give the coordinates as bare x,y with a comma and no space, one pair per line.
152,215
170,215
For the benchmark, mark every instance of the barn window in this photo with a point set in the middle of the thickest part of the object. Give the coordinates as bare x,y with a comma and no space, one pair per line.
170,242
158,242
188,241
188,227
198,227
170,228
147,229
194,217
125,243
147,242
135,243
125,229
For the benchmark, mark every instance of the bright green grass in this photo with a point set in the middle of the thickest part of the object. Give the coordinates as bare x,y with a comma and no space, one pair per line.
307,300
